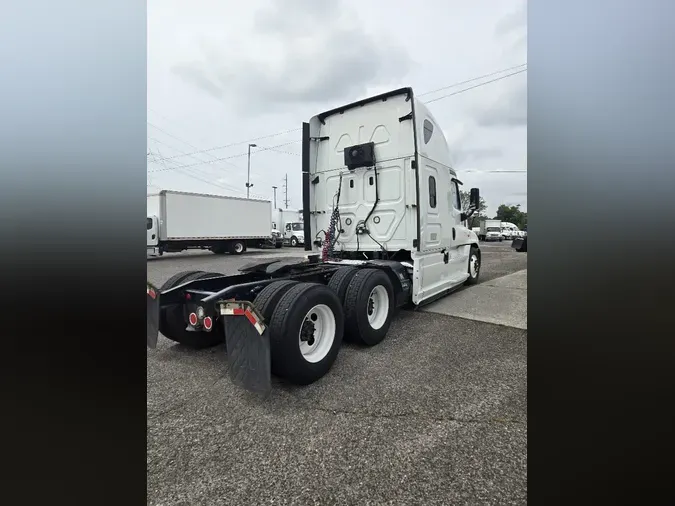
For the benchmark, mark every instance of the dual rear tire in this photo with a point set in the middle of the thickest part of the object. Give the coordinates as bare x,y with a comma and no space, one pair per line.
305,325
368,301
308,321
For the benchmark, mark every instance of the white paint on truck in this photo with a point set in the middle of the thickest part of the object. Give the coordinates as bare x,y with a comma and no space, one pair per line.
408,202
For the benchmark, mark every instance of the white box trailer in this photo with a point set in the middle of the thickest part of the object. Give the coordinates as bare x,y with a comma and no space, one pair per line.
178,221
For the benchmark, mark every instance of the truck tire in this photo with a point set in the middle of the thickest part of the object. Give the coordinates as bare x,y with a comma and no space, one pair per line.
269,297
473,267
294,241
340,281
219,249
306,331
237,247
176,279
210,275
172,323
369,306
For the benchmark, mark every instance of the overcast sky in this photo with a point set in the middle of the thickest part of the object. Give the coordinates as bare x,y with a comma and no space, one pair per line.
222,72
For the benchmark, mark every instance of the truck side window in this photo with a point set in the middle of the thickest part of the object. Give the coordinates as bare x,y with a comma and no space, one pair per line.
428,130
432,192
149,223
456,202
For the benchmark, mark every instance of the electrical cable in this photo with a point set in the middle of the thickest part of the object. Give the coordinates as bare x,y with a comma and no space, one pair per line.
475,86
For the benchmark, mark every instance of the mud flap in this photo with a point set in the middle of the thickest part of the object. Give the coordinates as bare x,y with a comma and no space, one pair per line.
520,245
152,299
248,348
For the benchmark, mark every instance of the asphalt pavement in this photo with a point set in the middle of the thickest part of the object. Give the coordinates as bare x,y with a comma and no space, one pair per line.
435,414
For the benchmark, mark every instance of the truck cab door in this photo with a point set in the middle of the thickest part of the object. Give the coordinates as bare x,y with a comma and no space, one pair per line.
459,250
152,231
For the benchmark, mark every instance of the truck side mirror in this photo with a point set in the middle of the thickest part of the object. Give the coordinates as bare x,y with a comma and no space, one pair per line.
474,198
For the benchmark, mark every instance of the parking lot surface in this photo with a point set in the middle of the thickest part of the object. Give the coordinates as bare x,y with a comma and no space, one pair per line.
435,414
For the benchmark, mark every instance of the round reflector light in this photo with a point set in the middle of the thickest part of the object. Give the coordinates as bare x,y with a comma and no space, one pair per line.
208,323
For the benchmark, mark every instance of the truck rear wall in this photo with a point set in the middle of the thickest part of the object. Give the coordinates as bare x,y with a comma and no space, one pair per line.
195,216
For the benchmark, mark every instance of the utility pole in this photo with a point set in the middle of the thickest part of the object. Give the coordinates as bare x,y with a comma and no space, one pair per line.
248,176
275,196
286,190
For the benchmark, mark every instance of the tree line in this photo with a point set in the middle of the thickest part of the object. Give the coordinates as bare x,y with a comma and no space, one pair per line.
510,214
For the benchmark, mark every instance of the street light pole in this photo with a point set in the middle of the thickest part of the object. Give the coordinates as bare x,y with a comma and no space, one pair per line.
248,176
275,196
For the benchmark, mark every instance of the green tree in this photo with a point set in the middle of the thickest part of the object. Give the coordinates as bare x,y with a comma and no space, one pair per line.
474,221
512,214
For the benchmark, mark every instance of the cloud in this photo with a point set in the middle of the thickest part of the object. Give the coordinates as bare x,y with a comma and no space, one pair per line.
513,22
459,138
462,156
315,53
509,109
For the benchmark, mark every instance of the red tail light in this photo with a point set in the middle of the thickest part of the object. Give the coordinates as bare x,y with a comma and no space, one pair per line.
193,319
208,323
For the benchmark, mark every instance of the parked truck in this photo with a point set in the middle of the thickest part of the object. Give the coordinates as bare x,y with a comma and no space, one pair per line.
520,243
491,230
382,230
287,224
178,221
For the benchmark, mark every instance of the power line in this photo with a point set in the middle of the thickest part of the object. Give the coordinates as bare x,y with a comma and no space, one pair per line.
192,175
225,157
475,86
201,162
283,152
184,142
472,80
216,148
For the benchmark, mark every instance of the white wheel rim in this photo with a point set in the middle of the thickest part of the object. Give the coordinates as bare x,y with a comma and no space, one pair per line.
474,266
317,333
239,247
378,307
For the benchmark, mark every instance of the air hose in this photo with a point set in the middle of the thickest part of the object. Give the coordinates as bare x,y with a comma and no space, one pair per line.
330,239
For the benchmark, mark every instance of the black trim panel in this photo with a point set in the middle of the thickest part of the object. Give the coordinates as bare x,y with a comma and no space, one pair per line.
305,187
384,96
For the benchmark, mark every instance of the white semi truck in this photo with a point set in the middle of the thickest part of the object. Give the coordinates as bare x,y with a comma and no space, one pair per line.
491,230
383,228
287,224
178,221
